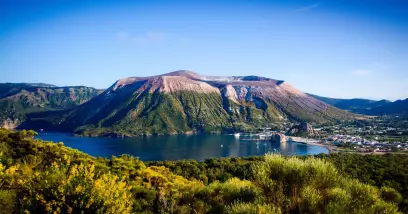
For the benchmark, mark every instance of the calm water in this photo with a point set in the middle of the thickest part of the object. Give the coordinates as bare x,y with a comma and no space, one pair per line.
178,147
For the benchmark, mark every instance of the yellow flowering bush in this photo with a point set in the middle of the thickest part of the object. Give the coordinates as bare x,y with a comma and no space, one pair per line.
77,189
250,208
170,188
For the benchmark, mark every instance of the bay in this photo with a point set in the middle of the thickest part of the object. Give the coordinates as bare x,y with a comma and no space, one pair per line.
177,147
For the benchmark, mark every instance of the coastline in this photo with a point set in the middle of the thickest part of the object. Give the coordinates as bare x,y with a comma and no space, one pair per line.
331,149
334,149
313,142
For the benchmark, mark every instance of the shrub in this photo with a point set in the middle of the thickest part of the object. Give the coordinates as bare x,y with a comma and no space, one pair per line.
248,208
314,186
74,189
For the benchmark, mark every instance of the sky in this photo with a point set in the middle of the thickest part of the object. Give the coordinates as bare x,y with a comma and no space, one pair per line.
333,48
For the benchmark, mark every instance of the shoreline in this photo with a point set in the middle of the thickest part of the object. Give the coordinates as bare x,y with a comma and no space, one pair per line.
334,149
331,149
313,142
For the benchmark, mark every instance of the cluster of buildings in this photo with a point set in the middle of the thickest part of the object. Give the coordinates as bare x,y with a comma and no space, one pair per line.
374,128
364,145
380,134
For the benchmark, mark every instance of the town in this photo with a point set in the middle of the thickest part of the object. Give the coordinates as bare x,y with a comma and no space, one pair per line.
361,144
369,135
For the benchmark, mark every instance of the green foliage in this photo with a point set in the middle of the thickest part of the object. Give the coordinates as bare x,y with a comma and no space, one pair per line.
314,186
250,208
379,170
390,195
45,177
233,190
7,201
211,170
393,167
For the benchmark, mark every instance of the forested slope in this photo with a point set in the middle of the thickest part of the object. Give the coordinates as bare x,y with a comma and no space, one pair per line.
18,100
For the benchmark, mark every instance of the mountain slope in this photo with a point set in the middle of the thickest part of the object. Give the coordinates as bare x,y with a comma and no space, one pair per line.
17,100
368,107
399,107
183,101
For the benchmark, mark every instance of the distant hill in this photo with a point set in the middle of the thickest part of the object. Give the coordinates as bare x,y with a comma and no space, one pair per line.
183,101
399,107
360,106
17,100
367,107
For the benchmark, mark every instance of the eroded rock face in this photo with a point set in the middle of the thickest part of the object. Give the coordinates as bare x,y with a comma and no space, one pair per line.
238,89
303,129
10,124
184,101
278,138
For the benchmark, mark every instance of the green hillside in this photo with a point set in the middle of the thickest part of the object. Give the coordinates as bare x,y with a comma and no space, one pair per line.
173,103
161,113
180,102
368,107
18,100
399,107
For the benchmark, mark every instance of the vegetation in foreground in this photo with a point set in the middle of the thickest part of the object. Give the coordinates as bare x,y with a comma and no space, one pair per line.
44,177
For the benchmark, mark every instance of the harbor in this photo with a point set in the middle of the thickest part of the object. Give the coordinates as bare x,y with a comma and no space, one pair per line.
271,135
277,137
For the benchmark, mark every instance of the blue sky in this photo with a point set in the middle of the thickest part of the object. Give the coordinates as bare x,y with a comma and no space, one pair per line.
342,48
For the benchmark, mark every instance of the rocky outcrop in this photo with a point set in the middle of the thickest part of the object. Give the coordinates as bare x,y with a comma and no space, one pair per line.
303,129
9,124
278,138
